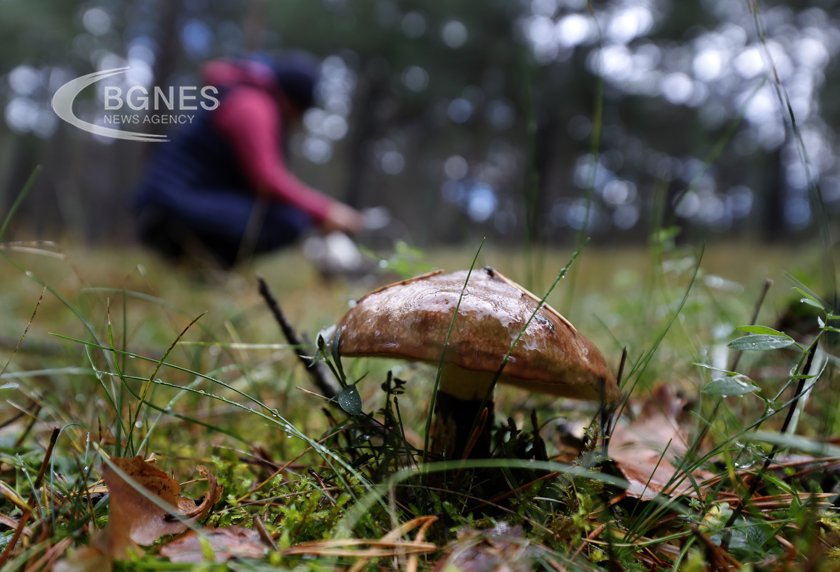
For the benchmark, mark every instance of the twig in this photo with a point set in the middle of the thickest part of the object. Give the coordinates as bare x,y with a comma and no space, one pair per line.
313,368
24,518
718,557
40,478
7,551
596,532
609,418
324,487
263,532
756,309
803,377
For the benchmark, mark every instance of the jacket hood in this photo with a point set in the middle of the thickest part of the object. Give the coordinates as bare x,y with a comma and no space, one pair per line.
296,75
230,72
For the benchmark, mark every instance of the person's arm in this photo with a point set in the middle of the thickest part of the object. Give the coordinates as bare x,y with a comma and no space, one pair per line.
249,119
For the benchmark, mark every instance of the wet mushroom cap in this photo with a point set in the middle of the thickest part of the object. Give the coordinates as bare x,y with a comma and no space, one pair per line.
410,320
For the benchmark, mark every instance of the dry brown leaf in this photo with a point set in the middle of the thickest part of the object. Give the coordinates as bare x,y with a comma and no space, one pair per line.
135,519
226,543
422,523
645,449
388,546
190,510
361,548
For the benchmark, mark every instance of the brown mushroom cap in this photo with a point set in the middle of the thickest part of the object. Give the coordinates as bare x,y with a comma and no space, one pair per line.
410,320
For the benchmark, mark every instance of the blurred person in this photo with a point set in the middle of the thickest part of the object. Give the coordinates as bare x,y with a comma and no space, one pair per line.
221,186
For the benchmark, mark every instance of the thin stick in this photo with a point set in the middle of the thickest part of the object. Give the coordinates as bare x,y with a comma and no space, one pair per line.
40,478
263,532
24,518
313,368
596,532
803,377
756,309
610,417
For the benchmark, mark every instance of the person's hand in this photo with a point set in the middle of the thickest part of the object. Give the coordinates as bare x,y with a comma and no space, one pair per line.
343,218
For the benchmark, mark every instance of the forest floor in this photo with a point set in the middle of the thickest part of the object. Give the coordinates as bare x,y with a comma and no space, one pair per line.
156,415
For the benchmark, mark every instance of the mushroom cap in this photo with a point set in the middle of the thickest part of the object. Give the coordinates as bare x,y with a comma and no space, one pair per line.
410,320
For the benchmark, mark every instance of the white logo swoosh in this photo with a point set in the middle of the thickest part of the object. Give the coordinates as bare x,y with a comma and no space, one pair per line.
62,104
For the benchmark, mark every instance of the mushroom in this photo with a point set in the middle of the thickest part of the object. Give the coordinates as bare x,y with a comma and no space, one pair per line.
410,320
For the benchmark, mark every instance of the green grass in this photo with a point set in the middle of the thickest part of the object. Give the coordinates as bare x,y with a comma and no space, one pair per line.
126,355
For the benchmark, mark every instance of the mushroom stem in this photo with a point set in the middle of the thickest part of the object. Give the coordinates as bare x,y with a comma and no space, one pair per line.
455,425
462,396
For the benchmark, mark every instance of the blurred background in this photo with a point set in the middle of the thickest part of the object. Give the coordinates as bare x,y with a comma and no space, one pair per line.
519,120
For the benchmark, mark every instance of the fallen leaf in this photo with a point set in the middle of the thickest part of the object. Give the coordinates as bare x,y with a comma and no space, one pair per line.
226,543
389,546
135,519
646,449
211,497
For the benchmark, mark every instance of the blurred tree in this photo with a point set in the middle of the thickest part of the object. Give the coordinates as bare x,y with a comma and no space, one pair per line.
532,118
169,53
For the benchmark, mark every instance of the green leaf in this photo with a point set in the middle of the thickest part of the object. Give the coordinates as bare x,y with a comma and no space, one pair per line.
764,330
809,299
813,303
713,368
350,400
761,342
728,386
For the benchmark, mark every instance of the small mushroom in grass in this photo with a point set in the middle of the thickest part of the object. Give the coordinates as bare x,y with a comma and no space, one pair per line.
410,320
